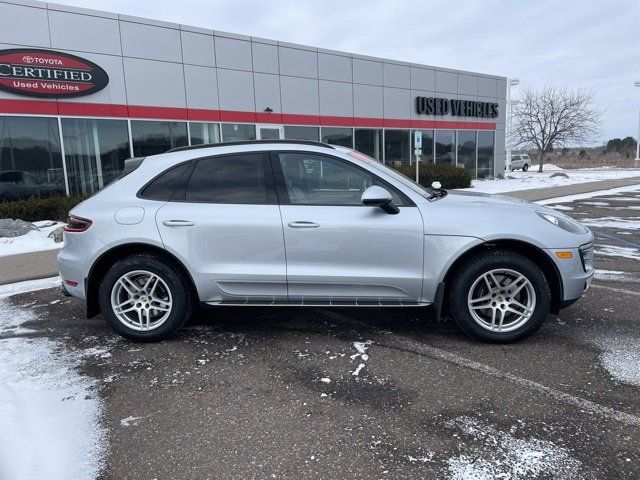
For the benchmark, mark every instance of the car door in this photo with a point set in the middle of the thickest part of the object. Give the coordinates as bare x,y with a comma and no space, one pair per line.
338,249
225,225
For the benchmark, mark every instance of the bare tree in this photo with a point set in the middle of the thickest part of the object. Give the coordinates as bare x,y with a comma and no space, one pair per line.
554,117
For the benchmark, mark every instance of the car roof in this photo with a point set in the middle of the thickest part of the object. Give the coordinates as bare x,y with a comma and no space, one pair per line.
252,142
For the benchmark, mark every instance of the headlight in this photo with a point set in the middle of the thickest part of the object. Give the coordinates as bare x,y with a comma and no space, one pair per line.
564,223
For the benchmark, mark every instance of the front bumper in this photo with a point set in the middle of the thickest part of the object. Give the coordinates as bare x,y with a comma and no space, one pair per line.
576,272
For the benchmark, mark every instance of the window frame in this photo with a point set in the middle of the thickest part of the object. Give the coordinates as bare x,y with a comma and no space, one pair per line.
283,192
181,182
180,194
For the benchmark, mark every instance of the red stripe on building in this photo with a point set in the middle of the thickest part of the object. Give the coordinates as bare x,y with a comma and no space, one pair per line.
42,107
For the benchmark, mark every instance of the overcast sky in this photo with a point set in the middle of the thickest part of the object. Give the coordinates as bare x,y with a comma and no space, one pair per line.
576,44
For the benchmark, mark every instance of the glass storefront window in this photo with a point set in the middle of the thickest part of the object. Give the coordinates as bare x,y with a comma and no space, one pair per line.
467,150
338,136
427,146
152,138
369,142
30,158
485,153
204,133
95,151
396,147
238,132
445,141
294,132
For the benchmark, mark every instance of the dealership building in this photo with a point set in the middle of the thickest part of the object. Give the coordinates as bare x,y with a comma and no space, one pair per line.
83,90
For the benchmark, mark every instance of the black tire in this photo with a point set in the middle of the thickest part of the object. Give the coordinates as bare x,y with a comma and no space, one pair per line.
183,298
464,278
525,167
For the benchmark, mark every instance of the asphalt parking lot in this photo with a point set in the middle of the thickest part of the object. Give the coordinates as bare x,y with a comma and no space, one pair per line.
307,393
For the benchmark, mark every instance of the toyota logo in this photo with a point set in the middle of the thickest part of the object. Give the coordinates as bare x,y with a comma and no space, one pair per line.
27,59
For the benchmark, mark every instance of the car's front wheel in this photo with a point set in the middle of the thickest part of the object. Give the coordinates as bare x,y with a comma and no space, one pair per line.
525,167
500,297
145,298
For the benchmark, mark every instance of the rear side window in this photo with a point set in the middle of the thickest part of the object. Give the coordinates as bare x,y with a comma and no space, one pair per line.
241,179
165,184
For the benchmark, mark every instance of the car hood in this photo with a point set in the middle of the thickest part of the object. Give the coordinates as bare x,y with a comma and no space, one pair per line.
484,216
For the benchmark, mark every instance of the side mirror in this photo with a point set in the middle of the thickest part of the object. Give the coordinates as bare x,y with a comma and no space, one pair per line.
379,197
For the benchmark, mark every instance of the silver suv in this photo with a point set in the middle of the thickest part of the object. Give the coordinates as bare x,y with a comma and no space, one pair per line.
519,161
273,223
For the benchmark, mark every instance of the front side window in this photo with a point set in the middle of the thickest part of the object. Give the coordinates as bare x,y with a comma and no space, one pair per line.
312,179
233,179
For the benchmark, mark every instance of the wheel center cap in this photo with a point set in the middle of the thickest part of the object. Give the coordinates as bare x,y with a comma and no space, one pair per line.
143,298
499,298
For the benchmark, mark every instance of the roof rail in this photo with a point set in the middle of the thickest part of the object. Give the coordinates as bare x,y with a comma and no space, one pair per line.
250,142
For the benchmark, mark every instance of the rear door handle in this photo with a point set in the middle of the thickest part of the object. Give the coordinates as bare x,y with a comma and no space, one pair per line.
303,224
178,223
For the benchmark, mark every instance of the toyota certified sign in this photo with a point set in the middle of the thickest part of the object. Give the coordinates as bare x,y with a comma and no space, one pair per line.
45,73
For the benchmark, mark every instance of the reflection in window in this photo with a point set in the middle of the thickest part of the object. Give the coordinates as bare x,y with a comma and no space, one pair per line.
238,132
30,158
293,132
467,150
338,136
396,147
321,180
204,133
153,138
95,151
485,154
369,142
445,141
239,179
427,146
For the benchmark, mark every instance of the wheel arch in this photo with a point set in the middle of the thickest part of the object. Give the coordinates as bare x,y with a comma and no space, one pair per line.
528,250
108,258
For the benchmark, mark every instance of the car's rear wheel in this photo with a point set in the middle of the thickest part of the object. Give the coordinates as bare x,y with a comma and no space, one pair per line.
525,167
145,298
499,296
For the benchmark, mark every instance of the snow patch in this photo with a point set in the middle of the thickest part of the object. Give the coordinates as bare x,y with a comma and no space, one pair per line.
361,348
628,223
34,241
49,413
28,286
619,355
615,251
615,276
130,421
501,455
565,208
598,193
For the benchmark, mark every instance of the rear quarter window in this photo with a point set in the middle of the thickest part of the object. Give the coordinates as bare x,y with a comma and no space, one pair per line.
164,185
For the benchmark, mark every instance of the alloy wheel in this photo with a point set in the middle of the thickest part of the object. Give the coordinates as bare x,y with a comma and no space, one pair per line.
501,300
141,300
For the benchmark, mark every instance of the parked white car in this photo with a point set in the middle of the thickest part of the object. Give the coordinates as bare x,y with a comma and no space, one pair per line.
520,162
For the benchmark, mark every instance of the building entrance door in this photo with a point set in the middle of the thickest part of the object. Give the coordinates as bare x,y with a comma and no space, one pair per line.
269,132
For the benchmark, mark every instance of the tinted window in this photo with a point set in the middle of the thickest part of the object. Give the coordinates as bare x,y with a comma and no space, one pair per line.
244,178
152,138
320,180
163,186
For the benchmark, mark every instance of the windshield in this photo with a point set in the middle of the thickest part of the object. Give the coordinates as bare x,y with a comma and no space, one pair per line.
425,192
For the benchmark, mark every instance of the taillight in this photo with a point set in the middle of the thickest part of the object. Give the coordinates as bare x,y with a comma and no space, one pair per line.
77,224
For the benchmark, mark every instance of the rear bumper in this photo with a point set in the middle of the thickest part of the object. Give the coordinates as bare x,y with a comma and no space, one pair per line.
75,260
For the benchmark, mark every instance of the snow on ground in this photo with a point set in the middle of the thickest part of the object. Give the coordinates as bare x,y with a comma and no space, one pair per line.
361,348
615,251
533,179
616,276
49,413
598,193
493,454
627,223
619,355
34,241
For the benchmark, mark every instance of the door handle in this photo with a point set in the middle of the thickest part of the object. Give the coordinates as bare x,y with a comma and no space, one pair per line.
303,224
178,223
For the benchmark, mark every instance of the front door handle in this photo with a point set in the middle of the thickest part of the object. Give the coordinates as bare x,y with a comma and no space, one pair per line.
178,223
303,224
